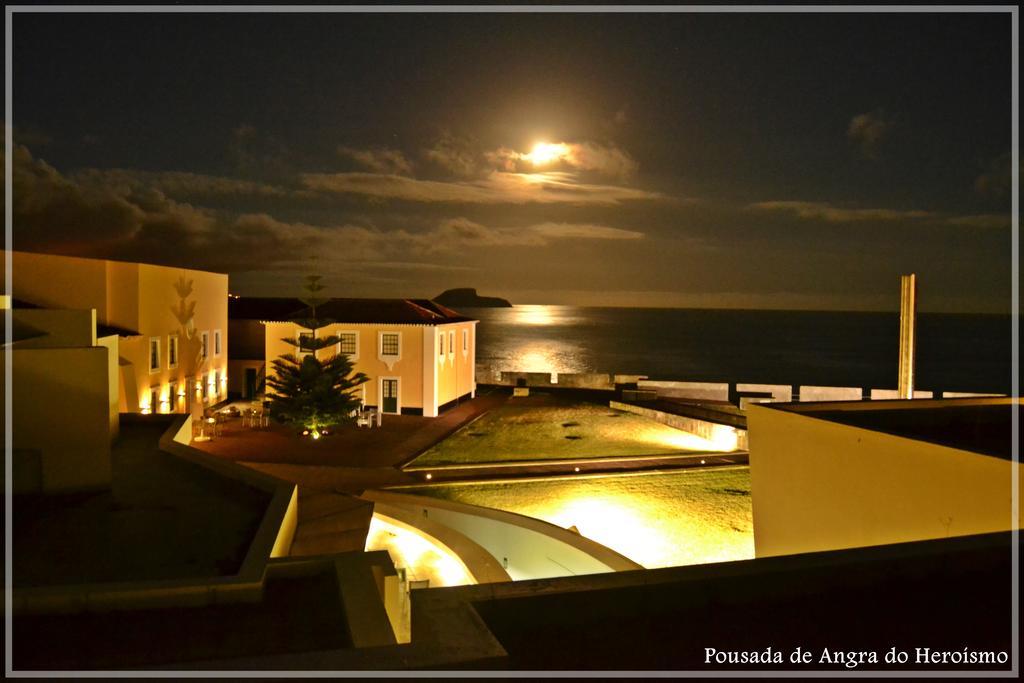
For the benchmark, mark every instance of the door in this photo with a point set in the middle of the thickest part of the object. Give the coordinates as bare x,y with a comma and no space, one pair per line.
389,395
250,383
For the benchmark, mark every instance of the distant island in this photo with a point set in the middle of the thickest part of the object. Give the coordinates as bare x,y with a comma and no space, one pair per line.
466,297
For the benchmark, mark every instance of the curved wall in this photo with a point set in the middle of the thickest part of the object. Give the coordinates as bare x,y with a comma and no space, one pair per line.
525,547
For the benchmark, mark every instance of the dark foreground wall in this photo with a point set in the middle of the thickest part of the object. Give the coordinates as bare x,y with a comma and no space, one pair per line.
944,595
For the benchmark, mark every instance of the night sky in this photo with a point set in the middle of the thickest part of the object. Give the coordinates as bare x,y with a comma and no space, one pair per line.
741,160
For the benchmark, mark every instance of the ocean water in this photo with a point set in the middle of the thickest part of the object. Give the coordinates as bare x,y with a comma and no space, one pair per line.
968,353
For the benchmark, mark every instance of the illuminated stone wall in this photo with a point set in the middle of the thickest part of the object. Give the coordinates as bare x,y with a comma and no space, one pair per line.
821,485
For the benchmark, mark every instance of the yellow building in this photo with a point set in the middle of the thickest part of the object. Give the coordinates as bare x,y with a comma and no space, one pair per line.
64,384
171,322
420,356
847,474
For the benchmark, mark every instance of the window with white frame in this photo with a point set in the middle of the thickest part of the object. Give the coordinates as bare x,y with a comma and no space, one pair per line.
348,344
465,342
389,344
216,342
172,351
451,343
154,354
440,347
205,350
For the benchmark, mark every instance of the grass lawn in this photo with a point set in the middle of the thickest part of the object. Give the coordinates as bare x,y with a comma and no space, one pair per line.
546,428
660,519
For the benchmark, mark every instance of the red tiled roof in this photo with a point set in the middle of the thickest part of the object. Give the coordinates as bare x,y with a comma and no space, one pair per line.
386,311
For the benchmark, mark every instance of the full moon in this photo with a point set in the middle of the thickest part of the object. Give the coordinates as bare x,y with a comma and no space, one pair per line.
544,153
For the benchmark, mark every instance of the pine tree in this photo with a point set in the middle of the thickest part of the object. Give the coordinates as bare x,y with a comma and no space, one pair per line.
308,392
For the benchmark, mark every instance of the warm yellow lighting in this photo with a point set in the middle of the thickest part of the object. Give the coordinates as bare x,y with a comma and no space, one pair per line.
305,432
544,153
315,434
722,439
576,469
657,519
429,475
419,554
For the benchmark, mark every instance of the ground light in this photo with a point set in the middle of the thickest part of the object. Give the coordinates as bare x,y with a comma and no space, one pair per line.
421,556
722,439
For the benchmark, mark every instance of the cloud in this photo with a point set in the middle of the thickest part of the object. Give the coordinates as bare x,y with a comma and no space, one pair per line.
115,215
459,234
834,214
462,158
867,131
584,231
30,136
988,220
128,220
454,156
997,178
388,161
496,188
254,152
179,183
606,160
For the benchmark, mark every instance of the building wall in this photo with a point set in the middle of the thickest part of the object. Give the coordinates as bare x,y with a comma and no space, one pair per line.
408,369
60,328
61,282
70,329
158,299
248,339
142,298
236,376
818,485
61,418
455,368
111,344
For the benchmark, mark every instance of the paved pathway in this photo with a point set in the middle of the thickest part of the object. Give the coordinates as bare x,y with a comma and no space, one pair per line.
331,471
398,440
544,468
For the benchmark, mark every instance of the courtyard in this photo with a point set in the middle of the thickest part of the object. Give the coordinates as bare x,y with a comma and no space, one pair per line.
544,426
632,484
658,519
